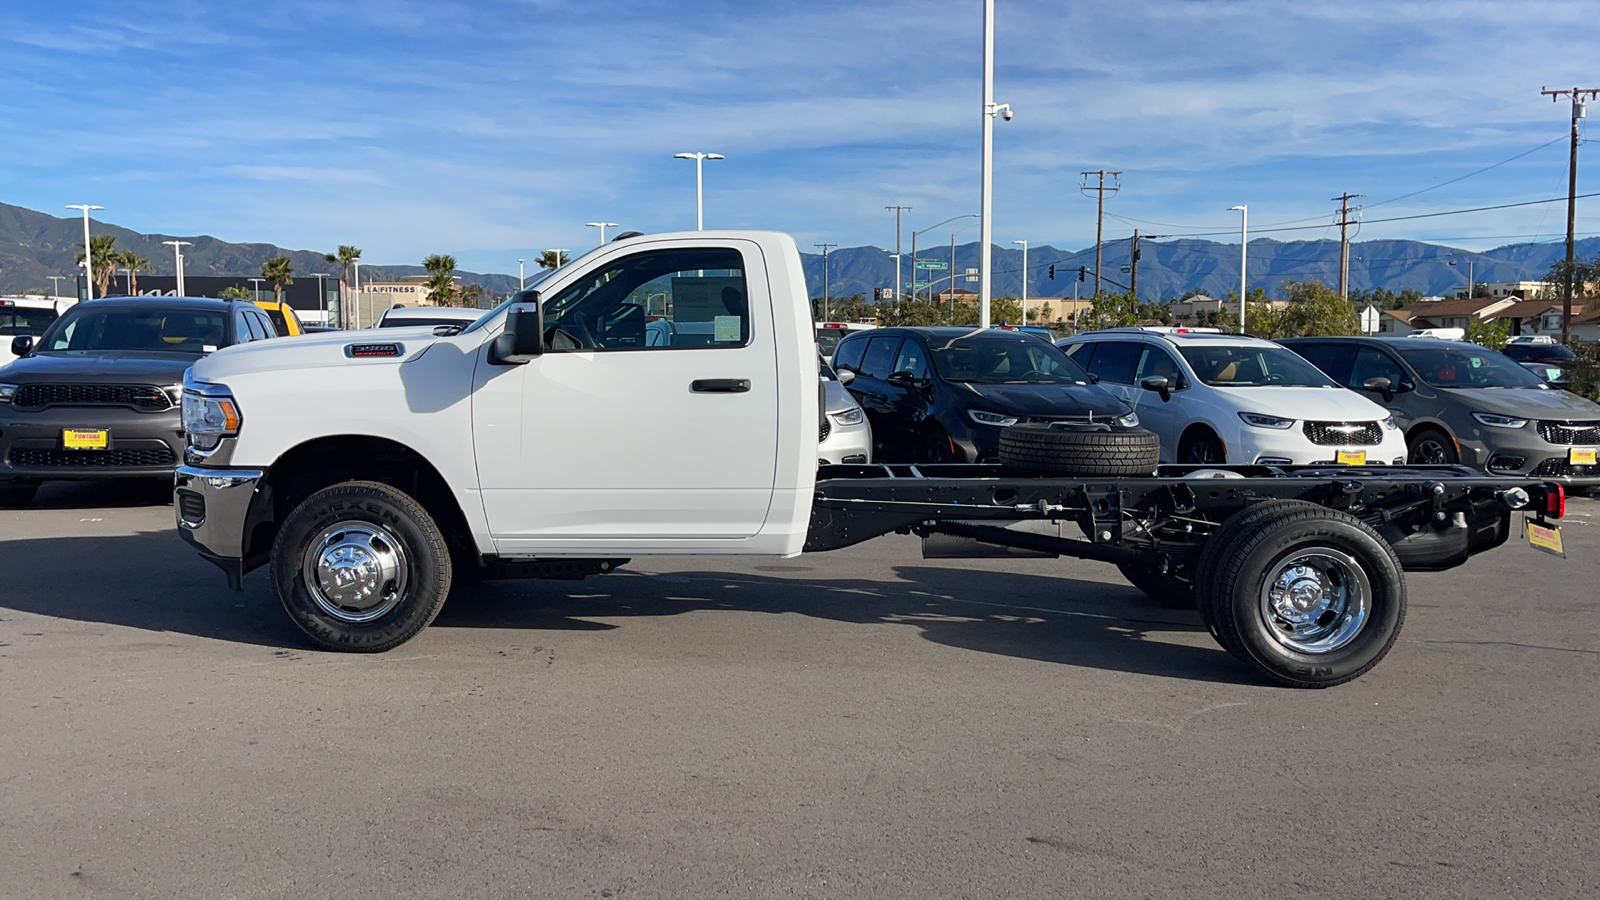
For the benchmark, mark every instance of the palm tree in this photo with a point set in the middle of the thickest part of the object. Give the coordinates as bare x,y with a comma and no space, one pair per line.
346,256
441,281
549,260
277,273
471,295
234,292
440,263
133,264
105,263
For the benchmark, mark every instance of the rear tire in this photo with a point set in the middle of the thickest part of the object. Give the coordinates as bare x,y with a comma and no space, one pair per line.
935,449
17,495
1430,446
361,566
1042,450
1163,587
1309,597
1202,449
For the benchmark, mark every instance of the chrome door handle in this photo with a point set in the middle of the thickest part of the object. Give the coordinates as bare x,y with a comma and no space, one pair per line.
720,385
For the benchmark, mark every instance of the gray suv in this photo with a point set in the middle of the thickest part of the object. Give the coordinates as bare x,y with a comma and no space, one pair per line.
1458,402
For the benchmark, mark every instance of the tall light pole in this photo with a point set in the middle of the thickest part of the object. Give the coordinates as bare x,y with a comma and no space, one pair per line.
55,286
699,184
1024,280
88,255
914,235
990,110
558,251
322,295
1470,283
825,248
255,289
522,280
602,226
355,312
1244,244
177,261
897,269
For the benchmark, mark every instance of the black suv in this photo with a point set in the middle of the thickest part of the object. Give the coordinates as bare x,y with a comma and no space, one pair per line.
943,394
99,394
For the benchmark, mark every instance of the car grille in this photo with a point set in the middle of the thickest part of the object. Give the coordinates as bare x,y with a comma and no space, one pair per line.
1558,467
825,430
1344,434
139,396
91,459
1570,432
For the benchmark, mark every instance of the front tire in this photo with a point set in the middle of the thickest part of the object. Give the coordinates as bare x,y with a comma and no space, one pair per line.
1432,447
361,567
1202,449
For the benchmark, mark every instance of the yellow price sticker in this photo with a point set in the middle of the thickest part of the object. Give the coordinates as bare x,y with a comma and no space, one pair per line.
84,439
1352,457
1546,538
1581,456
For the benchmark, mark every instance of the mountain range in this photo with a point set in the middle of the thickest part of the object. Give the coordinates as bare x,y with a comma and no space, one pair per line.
36,245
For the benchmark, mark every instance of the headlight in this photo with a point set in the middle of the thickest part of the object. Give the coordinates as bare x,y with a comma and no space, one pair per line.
1389,423
989,418
848,417
174,393
1131,420
1495,421
209,415
7,391
1262,420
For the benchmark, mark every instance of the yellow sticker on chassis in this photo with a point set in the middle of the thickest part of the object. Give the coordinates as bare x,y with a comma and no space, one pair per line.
1581,456
1352,457
1544,537
85,439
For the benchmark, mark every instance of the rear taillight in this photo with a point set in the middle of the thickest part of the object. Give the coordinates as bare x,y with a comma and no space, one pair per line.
1555,500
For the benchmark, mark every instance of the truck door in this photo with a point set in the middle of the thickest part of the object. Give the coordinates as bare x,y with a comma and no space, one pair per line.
652,416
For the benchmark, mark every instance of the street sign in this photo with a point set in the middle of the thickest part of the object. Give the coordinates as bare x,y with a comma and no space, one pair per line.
1369,320
920,284
1126,269
932,264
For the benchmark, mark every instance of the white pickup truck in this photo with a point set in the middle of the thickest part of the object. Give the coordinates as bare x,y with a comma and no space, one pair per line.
658,397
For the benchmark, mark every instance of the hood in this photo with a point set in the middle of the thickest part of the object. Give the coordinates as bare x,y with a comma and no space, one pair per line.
1526,403
1332,404
1041,399
311,351
99,367
837,398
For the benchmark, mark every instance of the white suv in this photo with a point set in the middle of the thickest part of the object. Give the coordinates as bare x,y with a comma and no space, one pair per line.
1226,398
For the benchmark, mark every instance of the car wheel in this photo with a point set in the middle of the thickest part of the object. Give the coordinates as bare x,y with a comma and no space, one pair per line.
935,448
1042,450
1431,447
16,495
1202,449
361,566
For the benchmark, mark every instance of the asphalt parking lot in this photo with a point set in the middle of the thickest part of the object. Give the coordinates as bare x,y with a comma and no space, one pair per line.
855,724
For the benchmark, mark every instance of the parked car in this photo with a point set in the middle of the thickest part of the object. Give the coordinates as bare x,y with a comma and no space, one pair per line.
1225,398
428,316
845,438
829,334
30,315
1038,331
99,394
942,394
1548,372
283,317
1463,403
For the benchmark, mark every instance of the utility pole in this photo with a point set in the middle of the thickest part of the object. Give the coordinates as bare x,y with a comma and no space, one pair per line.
825,249
897,211
1100,216
1133,270
1344,242
1577,95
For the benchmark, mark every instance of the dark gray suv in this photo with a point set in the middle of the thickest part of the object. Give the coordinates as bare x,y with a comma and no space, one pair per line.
1458,402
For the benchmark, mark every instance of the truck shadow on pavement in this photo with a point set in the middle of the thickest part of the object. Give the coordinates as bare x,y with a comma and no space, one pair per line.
151,581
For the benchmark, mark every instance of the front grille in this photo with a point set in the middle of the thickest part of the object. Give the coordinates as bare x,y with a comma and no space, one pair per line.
1564,433
1344,434
91,459
139,396
1558,467
825,430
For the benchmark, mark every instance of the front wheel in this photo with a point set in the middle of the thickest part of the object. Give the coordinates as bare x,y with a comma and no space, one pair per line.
361,566
1430,446
1310,597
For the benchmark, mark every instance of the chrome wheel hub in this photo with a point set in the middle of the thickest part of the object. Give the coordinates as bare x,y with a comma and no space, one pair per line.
356,571
1316,600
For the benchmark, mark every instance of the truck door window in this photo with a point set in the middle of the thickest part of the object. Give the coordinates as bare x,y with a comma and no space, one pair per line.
1371,364
1158,363
912,361
880,356
849,354
657,300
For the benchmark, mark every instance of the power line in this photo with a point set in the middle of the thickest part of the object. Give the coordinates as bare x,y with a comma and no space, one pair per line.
1100,218
1448,212
1468,175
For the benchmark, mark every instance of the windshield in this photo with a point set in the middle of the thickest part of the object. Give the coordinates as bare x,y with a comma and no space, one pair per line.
828,338
1006,360
1468,367
279,323
533,281
137,328
1539,352
1253,367
16,320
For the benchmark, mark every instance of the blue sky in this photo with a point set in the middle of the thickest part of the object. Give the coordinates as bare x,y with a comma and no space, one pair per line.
492,130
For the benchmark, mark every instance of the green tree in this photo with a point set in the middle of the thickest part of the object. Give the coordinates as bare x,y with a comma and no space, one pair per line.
549,259
472,295
234,292
915,313
844,309
278,273
1108,310
1316,310
345,257
104,247
1494,334
132,263
441,281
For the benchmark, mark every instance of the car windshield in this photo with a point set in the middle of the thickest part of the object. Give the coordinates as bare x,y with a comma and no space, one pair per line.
524,294
828,339
1468,367
1540,352
1005,360
1238,366
279,323
18,320
165,329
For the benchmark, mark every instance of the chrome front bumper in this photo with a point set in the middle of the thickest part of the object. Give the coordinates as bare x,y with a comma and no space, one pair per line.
212,507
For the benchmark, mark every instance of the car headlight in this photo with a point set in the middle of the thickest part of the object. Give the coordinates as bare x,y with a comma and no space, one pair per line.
174,393
7,391
1262,420
1495,421
209,415
847,417
1389,423
1131,420
989,418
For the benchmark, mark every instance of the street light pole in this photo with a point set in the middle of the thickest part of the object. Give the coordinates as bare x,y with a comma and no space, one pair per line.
1470,283
825,248
322,295
558,251
88,255
522,280
177,262
255,289
55,286
699,185
914,235
355,312
990,110
1024,280
602,226
1244,245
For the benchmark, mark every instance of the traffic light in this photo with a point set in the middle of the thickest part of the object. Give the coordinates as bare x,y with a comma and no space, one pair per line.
1052,271
1081,271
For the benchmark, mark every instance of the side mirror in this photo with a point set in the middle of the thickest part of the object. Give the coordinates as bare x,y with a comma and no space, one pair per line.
522,341
1093,378
1380,385
902,380
22,344
1158,384
845,376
